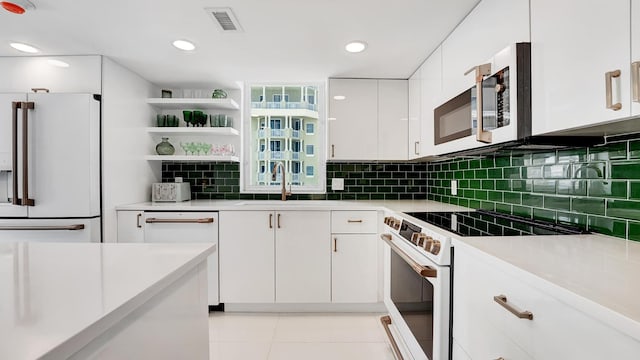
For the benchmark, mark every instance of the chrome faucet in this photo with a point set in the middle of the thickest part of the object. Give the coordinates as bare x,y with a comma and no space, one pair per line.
274,171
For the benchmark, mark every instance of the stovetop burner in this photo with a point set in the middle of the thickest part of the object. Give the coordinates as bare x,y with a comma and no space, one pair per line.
489,223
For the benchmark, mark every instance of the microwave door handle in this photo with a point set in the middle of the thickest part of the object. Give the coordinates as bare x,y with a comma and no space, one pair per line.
14,150
26,106
481,71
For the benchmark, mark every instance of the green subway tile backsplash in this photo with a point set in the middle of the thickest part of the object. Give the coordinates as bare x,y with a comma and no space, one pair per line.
596,188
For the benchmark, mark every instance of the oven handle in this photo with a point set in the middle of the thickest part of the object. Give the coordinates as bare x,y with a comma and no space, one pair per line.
386,321
422,270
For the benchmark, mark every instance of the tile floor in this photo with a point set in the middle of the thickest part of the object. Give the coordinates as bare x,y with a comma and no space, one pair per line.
259,336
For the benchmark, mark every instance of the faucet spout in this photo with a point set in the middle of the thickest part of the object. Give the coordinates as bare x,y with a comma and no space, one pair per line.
274,172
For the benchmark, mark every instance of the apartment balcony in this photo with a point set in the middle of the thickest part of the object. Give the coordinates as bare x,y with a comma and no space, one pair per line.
283,105
280,155
278,133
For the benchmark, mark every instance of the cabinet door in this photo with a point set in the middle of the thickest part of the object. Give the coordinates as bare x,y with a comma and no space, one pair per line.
635,56
393,113
303,260
570,56
414,143
353,121
354,273
247,257
431,88
130,228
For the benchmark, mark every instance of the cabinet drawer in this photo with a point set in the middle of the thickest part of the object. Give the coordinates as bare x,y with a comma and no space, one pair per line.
354,222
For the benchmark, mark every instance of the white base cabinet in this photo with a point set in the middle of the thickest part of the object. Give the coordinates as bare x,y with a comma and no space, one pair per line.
130,229
484,329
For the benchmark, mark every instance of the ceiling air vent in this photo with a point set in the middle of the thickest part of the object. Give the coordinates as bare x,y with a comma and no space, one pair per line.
225,19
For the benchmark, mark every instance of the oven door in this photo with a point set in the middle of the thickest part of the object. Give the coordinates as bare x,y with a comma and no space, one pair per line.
418,303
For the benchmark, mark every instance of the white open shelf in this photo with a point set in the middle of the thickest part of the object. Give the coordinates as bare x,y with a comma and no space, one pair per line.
193,103
192,158
224,131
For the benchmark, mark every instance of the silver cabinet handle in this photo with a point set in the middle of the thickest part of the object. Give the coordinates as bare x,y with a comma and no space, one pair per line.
333,150
278,221
386,321
502,300
608,77
635,80
270,221
424,271
354,221
335,244
481,71
179,221
26,106
35,90
14,151
29,228
416,146
138,220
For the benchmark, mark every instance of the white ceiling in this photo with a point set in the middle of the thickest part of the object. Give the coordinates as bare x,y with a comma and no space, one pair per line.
283,40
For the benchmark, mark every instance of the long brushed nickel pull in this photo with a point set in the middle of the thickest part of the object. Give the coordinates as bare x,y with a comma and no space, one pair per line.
608,78
422,270
333,150
416,145
635,80
354,221
35,90
26,106
386,321
179,221
335,244
278,221
138,220
45,227
270,221
481,71
14,150
502,300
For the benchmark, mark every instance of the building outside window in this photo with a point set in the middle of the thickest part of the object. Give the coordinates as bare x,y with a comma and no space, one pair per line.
293,131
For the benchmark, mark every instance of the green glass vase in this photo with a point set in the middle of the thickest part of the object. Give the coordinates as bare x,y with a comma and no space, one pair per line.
165,148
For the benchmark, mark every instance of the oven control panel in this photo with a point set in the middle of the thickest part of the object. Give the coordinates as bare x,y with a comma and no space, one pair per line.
427,241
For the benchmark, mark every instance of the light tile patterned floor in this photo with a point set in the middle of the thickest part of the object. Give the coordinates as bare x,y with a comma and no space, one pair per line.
249,336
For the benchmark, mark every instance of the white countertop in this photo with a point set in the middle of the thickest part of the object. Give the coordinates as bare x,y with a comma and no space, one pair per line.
595,274
56,297
215,205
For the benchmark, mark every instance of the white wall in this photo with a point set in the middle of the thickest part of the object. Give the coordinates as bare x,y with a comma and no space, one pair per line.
125,114
22,73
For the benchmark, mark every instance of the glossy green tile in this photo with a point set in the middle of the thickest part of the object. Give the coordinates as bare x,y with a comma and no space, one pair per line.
503,208
623,209
463,184
503,161
474,184
486,205
609,152
463,165
557,171
634,231
503,185
532,200
543,158
487,163
458,175
495,196
610,189
544,215
474,164
588,206
523,211
625,169
579,220
532,172
512,197
557,203
572,187
468,193
607,226
481,195
544,186
572,155
593,170
521,160
463,202
522,185
634,149
469,174
512,173
475,204
495,173
481,174
488,184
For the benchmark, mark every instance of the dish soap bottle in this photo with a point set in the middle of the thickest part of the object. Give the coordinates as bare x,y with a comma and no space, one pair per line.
165,147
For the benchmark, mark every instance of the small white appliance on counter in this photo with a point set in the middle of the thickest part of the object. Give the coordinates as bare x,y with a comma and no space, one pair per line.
170,192
50,167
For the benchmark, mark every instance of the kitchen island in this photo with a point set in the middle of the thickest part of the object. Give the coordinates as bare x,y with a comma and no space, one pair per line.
103,301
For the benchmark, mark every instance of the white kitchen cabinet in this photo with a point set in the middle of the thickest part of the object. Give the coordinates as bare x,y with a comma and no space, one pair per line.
354,262
431,97
487,330
414,125
490,27
247,257
130,226
367,119
635,57
303,257
573,47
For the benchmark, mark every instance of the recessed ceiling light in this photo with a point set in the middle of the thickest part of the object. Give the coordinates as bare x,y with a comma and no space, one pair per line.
184,45
356,46
339,97
24,48
58,63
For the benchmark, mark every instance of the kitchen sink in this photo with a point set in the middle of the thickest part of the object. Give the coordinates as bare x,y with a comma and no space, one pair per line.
292,202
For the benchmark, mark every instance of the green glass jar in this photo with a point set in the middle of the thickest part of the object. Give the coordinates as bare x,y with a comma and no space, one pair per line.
165,147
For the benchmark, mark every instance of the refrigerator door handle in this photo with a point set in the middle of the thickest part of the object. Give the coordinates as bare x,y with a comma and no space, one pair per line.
14,150
26,201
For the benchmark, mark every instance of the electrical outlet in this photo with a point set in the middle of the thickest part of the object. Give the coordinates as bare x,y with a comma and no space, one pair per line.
178,179
337,184
454,187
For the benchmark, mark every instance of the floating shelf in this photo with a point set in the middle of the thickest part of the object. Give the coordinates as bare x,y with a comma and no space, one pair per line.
191,158
193,103
223,131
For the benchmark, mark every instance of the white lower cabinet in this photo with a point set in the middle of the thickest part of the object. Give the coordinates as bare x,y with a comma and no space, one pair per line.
130,229
484,329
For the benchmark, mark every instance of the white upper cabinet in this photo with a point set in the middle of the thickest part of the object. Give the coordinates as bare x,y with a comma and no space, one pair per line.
414,124
367,119
492,26
579,50
431,97
635,58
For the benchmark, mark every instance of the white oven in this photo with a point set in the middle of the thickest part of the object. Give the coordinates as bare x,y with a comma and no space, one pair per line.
417,291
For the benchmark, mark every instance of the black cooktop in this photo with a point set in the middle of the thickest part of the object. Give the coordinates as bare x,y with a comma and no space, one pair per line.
489,223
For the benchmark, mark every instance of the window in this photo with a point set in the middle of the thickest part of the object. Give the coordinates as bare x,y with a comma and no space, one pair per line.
280,131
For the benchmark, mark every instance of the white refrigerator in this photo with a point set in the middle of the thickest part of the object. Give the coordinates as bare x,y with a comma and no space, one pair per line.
50,167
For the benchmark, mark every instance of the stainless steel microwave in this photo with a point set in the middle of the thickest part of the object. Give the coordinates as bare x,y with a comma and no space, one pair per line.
493,96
